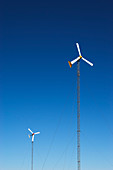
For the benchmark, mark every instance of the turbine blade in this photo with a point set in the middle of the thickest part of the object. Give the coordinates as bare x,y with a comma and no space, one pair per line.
37,133
75,60
78,49
91,64
33,138
30,130
70,65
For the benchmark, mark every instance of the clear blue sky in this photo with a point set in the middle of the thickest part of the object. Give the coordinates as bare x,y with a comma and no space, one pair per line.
38,89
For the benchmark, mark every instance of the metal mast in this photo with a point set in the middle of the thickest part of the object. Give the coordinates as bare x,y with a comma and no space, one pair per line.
32,157
78,114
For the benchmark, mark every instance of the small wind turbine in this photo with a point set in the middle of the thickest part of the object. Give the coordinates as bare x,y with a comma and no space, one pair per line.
32,134
78,98
78,58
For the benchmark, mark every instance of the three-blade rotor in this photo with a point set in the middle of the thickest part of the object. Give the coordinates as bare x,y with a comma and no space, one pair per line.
33,134
78,58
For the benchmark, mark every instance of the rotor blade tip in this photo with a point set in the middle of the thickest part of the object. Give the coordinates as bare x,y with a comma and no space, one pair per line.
70,64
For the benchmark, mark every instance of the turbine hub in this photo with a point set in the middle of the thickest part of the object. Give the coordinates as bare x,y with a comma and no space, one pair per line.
80,56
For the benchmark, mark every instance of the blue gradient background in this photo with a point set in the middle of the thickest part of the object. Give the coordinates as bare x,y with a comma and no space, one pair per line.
38,89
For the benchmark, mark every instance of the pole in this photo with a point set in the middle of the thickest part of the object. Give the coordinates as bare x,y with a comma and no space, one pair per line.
78,114
32,157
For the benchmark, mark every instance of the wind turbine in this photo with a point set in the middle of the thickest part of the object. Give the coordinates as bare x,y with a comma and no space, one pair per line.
78,98
78,58
32,134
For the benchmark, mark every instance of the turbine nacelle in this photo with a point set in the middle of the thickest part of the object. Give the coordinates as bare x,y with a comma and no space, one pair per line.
32,134
78,58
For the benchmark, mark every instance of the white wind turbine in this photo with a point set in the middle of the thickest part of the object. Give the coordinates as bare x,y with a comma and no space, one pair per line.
78,58
78,98
32,134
